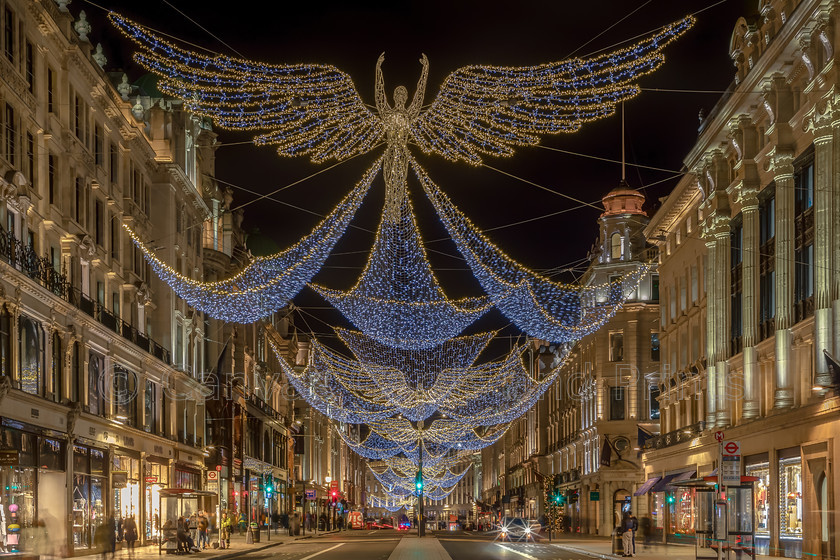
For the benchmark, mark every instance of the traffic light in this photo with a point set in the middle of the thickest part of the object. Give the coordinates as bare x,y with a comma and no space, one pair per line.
670,498
268,490
558,499
334,497
418,481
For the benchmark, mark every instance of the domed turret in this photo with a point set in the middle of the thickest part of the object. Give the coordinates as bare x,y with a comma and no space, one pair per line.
623,200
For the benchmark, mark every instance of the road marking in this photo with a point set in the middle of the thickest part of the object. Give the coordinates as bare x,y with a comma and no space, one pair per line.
322,551
372,532
510,550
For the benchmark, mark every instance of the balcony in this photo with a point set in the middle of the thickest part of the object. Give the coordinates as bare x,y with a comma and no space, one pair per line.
677,436
40,269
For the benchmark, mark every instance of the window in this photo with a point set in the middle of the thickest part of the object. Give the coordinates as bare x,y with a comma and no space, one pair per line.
616,346
616,246
76,377
9,34
149,407
654,346
616,403
30,157
654,287
694,285
736,242
78,201
51,171
115,304
51,83
10,145
125,395
672,297
5,342
96,375
55,367
113,163
654,403
77,116
98,146
99,223
803,290
31,361
30,67
767,261
115,238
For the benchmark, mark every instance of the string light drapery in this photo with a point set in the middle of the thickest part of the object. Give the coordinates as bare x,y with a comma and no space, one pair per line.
267,283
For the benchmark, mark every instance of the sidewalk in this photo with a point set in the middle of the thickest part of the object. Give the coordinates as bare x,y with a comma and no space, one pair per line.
601,547
237,546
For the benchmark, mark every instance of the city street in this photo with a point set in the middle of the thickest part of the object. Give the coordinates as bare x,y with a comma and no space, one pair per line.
393,545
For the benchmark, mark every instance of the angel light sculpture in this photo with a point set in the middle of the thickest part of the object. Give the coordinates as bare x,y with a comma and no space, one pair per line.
315,110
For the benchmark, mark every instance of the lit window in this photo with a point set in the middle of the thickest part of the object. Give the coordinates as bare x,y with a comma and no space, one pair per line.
616,246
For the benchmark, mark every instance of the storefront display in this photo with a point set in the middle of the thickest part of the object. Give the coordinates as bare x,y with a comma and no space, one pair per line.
88,493
790,498
156,476
761,471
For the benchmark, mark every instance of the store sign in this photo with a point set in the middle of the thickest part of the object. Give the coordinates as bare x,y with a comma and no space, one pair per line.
151,479
212,475
731,463
119,479
595,496
334,485
9,457
310,494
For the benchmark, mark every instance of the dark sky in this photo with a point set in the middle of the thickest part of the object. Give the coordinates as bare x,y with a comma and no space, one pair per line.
661,126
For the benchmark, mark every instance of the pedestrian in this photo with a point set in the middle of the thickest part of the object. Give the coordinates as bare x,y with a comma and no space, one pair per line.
634,526
111,535
626,530
646,527
193,526
203,541
227,525
130,532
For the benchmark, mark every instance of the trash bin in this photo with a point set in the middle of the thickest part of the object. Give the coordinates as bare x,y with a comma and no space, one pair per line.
617,546
255,531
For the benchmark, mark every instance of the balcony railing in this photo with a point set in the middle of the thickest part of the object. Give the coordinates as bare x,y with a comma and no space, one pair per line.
677,436
40,269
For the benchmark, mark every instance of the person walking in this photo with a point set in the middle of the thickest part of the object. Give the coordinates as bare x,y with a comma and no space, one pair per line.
634,526
203,541
130,533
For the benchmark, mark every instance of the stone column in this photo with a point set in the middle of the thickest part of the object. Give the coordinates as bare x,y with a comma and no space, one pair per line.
721,318
711,305
834,238
823,239
783,167
749,299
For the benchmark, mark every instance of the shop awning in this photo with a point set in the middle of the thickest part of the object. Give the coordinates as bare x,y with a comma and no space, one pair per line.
670,480
645,488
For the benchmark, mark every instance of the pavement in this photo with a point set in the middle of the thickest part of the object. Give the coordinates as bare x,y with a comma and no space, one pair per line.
601,547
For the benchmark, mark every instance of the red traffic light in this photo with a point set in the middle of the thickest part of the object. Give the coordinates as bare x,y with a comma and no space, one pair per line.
334,493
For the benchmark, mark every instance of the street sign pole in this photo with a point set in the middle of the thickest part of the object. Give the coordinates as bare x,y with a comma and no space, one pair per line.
721,503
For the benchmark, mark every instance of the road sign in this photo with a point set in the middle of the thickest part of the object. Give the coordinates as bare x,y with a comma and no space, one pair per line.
212,475
719,436
730,463
310,494
595,496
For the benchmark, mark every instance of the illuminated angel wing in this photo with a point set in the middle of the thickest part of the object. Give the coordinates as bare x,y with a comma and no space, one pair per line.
303,109
490,109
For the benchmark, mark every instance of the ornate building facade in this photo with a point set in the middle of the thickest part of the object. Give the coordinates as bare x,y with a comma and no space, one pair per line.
751,233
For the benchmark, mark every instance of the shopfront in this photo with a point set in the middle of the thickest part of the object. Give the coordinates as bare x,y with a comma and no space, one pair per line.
791,512
759,468
89,492
125,484
155,477
674,507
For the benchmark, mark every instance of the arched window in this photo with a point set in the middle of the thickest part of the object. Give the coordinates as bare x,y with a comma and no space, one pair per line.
31,352
616,246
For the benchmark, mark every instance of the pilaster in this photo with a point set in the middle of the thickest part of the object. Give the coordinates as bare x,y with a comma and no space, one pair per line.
748,197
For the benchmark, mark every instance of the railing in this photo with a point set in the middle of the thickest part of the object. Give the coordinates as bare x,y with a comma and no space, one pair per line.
264,407
677,436
40,269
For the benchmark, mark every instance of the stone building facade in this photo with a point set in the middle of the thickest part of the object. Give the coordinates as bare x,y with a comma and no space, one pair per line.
751,233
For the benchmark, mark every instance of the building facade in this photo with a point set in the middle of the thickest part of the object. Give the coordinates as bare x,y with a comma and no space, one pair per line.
99,361
751,234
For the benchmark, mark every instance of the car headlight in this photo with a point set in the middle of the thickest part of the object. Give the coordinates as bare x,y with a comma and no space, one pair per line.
527,530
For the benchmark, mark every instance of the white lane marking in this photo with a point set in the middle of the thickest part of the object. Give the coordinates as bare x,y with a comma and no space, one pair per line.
511,550
372,532
322,551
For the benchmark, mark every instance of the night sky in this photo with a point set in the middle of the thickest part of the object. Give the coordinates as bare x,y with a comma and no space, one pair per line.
660,126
